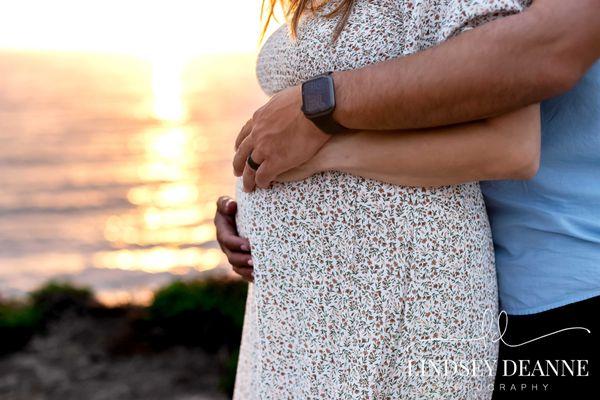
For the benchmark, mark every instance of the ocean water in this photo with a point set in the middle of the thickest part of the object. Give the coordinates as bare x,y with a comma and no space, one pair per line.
110,167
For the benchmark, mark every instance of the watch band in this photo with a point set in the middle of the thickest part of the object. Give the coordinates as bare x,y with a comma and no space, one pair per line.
327,124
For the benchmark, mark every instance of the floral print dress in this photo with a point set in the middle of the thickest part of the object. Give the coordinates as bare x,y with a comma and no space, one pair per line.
367,290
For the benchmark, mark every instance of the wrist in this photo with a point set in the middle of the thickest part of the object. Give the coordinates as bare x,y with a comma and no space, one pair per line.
342,113
331,156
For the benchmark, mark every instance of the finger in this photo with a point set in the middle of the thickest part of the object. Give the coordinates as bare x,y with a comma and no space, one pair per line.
246,273
227,235
264,175
246,129
241,156
248,179
226,205
240,260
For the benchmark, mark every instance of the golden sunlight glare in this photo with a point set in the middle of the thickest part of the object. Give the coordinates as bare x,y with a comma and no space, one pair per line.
167,90
136,27
170,187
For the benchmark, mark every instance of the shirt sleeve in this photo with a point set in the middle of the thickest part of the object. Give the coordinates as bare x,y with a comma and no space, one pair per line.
429,22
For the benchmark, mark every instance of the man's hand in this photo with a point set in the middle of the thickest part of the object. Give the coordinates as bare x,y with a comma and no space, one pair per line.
236,248
279,137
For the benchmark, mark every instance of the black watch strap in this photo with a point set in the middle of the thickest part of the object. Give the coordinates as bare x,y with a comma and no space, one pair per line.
327,124
318,104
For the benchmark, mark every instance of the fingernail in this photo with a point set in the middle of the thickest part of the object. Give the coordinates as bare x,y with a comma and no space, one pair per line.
250,262
245,247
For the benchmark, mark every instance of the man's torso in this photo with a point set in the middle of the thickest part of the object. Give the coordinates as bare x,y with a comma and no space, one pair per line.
547,230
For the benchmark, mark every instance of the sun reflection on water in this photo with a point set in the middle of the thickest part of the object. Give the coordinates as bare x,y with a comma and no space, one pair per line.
167,87
160,259
124,183
169,228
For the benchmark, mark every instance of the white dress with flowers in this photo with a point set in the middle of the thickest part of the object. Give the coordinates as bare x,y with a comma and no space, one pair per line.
362,289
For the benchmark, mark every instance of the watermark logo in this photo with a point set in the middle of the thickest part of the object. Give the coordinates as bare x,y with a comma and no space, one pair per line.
488,320
494,330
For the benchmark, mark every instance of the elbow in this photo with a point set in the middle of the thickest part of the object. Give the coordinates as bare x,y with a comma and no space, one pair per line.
522,162
530,170
513,164
567,58
526,169
560,77
563,52
518,160
516,152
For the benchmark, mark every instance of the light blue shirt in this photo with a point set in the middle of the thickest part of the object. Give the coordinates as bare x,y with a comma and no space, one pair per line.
547,230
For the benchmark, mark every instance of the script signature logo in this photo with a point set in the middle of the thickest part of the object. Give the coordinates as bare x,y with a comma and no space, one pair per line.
488,319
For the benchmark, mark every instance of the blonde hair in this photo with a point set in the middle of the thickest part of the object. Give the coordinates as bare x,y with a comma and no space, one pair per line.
293,9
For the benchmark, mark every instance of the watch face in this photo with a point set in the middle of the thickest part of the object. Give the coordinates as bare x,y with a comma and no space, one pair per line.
317,96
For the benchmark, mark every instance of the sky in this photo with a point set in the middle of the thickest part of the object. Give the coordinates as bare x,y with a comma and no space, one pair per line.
186,28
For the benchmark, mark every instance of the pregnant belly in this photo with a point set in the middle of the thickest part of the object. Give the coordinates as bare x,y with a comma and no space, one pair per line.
335,249
335,219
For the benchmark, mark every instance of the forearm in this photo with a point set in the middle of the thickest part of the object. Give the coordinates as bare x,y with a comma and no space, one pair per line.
493,69
504,148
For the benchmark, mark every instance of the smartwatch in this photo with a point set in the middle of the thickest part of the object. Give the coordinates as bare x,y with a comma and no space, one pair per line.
318,103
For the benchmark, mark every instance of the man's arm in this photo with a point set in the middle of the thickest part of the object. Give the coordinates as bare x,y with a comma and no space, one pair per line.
488,71
493,69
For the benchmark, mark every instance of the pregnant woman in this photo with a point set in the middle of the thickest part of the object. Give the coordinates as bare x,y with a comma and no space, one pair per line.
364,288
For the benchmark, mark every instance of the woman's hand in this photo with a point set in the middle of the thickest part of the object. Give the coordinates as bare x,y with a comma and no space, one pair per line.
236,248
300,172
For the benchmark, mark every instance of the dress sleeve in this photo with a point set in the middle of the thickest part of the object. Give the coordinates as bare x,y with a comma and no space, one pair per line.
429,22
